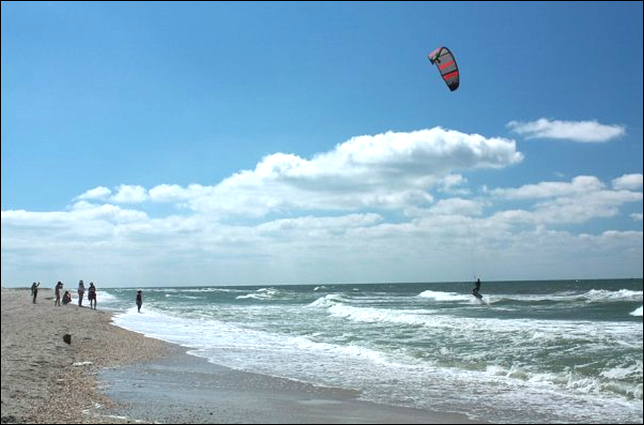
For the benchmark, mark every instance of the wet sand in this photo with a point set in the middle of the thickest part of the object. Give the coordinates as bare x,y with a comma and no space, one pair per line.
186,389
110,375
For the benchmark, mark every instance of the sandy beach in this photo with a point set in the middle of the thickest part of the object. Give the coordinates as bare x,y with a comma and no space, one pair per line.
110,375
47,380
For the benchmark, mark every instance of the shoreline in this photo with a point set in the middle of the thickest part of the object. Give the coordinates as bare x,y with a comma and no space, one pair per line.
182,388
110,375
44,379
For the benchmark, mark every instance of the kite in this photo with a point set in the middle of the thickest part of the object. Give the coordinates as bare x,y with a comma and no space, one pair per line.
446,64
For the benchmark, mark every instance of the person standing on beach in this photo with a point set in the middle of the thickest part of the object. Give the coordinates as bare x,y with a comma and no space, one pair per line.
139,300
34,291
59,287
81,292
91,295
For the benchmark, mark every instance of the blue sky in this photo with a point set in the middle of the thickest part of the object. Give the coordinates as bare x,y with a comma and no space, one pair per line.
200,143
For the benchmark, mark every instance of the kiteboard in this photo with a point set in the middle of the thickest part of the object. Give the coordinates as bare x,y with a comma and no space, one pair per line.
477,295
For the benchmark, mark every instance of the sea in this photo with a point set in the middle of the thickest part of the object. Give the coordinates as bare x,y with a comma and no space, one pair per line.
564,351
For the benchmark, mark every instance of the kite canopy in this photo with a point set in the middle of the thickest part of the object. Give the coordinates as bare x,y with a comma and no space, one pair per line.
444,61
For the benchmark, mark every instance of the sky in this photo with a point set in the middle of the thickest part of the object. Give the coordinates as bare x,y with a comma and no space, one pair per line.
213,143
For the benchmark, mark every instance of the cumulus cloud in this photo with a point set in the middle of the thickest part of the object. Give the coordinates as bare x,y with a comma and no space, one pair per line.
576,131
389,170
98,193
578,185
129,194
454,184
80,212
577,201
123,194
313,226
579,209
457,206
394,206
172,193
628,182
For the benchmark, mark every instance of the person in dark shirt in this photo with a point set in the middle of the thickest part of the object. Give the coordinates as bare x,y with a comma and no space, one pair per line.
67,298
139,300
34,291
477,288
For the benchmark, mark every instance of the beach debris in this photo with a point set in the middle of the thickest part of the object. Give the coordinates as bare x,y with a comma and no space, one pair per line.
67,338
82,364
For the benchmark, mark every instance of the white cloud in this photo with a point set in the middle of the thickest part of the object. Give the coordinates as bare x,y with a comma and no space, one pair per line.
576,131
435,151
628,182
457,206
115,246
578,201
636,216
87,211
584,207
452,180
578,185
389,170
98,193
454,184
129,194
171,193
360,212
81,212
313,226
124,194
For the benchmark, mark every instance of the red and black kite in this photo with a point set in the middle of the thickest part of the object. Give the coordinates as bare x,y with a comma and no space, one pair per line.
446,64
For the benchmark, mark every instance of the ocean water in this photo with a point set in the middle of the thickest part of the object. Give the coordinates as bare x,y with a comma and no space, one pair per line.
542,351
